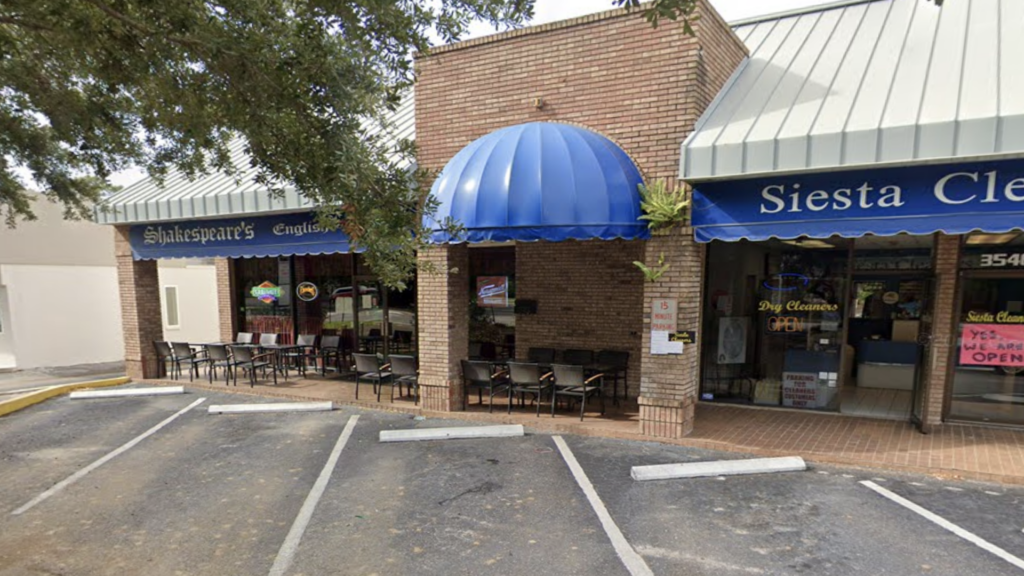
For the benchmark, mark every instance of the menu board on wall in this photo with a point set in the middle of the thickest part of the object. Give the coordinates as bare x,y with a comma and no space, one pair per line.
992,345
492,291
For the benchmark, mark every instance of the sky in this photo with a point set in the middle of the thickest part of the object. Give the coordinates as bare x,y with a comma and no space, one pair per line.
554,10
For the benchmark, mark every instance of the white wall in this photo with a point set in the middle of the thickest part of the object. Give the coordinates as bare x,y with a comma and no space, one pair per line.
197,301
63,315
6,338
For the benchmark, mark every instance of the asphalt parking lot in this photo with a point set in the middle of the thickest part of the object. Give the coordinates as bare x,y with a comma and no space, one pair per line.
230,494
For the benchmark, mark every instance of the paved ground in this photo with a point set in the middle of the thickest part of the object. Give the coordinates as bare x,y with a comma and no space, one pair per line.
19,381
219,495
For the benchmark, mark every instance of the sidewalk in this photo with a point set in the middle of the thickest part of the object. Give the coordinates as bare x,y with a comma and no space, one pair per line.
953,450
16,381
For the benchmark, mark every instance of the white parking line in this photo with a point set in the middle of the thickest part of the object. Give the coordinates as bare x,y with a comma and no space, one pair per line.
291,542
630,558
124,448
966,535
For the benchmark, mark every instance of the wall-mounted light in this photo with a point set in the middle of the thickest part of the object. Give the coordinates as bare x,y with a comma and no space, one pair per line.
538,103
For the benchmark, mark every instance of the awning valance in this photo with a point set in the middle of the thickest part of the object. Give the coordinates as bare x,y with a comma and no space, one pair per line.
539,181
955,199
281,235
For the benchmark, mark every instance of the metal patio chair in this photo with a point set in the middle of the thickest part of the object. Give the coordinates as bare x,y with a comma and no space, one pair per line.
403,368
244,338
571,383
526,379
218,357
615,363
578,357
181,352
301,354
329,351
481,375
368,367
164,354
268,339
245,358
542,356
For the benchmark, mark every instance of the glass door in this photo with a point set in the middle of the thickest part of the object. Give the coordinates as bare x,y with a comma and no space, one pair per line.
370,326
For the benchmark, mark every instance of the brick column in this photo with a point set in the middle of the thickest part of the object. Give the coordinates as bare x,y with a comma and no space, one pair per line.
226,311
443,307
139,285
669,384
935,380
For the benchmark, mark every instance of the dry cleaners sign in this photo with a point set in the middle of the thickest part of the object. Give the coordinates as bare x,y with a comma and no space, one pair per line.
279,235
918,200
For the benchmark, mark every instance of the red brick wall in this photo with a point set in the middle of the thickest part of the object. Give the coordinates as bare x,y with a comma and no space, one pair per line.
139,286
945,311
225,269
442,293
589,295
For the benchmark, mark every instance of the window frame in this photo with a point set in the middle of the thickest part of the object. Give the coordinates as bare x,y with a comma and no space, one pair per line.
166,307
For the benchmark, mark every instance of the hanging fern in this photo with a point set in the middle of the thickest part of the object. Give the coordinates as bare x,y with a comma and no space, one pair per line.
663,207
652,274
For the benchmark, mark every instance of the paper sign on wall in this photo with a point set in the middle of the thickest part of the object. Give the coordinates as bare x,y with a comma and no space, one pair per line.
661,344
992,345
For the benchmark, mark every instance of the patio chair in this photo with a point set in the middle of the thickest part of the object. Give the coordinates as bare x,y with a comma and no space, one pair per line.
404,370
368,367
268,339
163,356
542,356
480,375
218,357
615,363
526,379
329,351
300,355
181,352
570,383
243,357
578,357
244,338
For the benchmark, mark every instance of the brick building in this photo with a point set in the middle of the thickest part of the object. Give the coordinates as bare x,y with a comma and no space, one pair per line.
854,243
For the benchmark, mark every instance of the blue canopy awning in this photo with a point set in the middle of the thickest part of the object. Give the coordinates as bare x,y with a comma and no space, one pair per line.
949,198
539,181
262,236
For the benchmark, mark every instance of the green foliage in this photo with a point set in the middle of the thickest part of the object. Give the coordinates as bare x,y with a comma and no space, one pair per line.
652,274
663,207
92,87
684,10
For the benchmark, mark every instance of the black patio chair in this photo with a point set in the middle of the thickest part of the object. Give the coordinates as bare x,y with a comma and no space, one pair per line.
244,338
571,383
164,354
526,379
368,367
330,351
299,357
542,356
268,339
245,358
615,363
481,375
578,357
181,352
218,357
403,368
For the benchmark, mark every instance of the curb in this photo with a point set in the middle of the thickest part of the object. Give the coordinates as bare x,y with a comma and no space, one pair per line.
31,398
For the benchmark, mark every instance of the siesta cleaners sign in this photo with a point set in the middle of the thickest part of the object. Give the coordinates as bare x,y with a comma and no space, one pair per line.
921,200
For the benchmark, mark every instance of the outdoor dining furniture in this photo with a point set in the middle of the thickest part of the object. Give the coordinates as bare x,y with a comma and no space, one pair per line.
268,339
368,367
244,338
481,375
542,356
218,357
163,356
248,360
330,351
525,378
570,382
403,368
615,363
578,357
181,353
299,354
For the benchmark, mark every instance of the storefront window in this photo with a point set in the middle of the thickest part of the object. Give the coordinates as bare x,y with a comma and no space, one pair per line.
324,292
988,381
266,296
775,322
492,302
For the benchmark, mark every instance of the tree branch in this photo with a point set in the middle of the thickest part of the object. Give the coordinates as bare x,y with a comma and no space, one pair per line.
24,24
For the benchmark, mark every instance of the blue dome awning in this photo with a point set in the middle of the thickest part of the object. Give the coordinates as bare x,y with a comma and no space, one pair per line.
539,181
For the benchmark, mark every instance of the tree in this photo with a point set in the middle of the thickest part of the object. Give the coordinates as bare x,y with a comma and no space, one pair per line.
90,87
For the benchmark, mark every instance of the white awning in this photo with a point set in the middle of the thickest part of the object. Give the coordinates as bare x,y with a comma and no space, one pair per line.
218,195
868,82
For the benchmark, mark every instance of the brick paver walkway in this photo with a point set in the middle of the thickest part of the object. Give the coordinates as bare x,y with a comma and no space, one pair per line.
955,450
